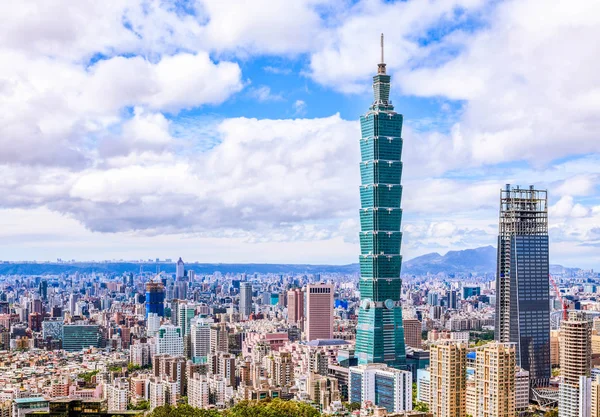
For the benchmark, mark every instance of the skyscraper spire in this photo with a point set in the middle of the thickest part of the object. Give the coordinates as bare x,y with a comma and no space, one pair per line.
381,65
380,331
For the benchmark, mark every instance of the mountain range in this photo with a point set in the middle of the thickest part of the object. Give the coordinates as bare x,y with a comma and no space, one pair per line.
478,261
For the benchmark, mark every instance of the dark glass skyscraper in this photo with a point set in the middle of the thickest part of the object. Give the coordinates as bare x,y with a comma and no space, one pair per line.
522,281
380,335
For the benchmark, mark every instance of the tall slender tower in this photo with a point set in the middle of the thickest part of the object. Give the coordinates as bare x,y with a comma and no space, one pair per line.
522,295
380,335
245,299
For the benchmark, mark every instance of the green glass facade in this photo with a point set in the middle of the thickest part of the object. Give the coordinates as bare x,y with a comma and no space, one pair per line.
79,337
380,335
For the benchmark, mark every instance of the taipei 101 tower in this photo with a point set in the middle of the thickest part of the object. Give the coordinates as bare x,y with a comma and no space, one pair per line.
380,335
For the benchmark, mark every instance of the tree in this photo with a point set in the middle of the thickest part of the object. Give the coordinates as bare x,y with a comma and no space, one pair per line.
421,406
352,406
551,413
141,405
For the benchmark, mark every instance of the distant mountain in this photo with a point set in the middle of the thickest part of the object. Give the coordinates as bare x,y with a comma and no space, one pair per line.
479,260
118,268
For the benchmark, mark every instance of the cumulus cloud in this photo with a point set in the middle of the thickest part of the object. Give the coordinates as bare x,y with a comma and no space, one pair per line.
91,95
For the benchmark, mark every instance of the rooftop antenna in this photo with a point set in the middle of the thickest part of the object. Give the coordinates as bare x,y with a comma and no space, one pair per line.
381,65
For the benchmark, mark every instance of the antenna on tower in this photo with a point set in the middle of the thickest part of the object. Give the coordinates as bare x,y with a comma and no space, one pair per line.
381,65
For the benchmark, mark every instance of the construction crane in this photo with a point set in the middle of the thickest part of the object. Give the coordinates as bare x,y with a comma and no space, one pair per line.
559,296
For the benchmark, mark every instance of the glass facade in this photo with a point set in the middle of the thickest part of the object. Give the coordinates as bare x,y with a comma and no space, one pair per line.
385,390
380,335
356,387
522,284
79,337
155,298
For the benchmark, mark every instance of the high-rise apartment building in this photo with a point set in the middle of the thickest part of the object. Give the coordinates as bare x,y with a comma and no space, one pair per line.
522,295
495,367
448,367
295,305
246,306
198,391
379,334
117,394
319,311
219,338
412,333
595,398
575,365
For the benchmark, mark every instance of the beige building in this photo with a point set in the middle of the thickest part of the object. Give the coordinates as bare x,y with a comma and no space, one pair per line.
323,390
595,344
448,366
412,333
495,368
319,311
575,364
554,347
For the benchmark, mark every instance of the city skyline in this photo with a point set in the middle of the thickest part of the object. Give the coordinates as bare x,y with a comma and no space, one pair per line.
192,132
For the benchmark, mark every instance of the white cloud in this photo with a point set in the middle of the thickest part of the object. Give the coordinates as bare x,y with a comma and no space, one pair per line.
263,93
299,107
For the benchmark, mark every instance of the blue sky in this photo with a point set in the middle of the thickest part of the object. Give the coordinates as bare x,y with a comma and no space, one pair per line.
227,131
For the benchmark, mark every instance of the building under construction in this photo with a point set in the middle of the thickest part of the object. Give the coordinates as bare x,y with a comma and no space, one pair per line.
522,283
155,298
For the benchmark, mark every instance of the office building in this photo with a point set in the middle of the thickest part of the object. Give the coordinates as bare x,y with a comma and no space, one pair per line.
200,339
380,236
185,313
169,340
246,306
152,324
495,367
179,270
448,367
155,298
424,386
319,311
52,328
471,292
432,299
382,385
523,299
77,337
451,300
295,306
575,365
412,333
